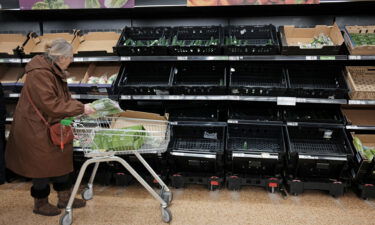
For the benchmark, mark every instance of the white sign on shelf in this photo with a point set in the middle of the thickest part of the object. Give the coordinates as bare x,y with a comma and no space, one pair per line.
355,57
286,101
125,58
14,95
182,58
79,59
311,57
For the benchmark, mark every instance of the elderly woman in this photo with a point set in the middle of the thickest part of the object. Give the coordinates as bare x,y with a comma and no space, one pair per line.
30,151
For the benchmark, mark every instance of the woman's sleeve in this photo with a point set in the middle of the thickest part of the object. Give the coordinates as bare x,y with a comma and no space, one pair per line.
43,92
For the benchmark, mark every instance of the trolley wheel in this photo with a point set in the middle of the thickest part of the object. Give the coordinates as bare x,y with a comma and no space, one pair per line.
166,215
66,219
167,196
87,194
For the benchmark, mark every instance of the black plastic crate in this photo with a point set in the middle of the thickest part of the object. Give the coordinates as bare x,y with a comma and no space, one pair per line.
199,40
144,41
251,40
319,81
328,114
193,112
197,147
259,112
318,152
149,78
255,149
199,79
257,79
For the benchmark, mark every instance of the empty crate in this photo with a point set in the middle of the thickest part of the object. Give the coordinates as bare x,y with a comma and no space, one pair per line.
255,111
199,40
199,79
10,44
95,43
197,147
317,82
328,114
257,79
144,41
317,152
251,40
144,79
255,149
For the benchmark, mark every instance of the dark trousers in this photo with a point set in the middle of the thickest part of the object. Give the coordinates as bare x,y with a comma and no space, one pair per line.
41,187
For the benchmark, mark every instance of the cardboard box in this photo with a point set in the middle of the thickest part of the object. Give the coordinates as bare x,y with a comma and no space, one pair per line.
360,116
96,43
9,44
291,36
156,122
359,50
98,70
361,81
36,44
10,74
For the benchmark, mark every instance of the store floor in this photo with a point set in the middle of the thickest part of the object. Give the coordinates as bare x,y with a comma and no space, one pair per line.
194,205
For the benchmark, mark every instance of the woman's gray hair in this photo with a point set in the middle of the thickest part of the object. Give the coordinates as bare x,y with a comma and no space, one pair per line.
58,48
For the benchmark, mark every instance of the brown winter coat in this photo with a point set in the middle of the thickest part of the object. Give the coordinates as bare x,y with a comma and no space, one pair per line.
29,151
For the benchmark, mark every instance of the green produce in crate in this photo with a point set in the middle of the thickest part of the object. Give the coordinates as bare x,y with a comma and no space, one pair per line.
115,3
130,138
365,151
50,4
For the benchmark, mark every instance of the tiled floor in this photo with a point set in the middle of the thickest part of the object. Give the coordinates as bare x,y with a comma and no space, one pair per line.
194,205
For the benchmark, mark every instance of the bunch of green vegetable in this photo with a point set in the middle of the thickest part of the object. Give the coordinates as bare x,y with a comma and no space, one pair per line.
158,42
232,40
105,107
363,39
365,151
50,4
211,42
318,42
130,138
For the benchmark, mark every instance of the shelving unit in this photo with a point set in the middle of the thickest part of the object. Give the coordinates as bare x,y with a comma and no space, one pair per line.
175,13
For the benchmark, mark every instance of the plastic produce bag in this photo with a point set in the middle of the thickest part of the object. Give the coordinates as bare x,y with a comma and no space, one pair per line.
105,107
131,138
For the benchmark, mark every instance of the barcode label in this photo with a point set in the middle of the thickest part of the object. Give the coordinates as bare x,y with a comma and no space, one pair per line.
355,57
286,101
78,59
311,57
125,58
293,124
182,58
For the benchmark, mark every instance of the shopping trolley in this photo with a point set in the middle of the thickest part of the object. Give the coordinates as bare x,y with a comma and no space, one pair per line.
104,139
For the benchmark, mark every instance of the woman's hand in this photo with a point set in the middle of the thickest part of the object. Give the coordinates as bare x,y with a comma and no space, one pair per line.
89,110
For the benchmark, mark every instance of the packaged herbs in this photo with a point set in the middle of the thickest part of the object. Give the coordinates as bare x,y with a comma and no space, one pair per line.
105,107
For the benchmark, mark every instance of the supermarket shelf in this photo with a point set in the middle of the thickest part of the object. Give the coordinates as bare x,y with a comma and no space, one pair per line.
10,60
287,58
279,100
361,57
361,102
354,127
208,58
89,97
75,96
